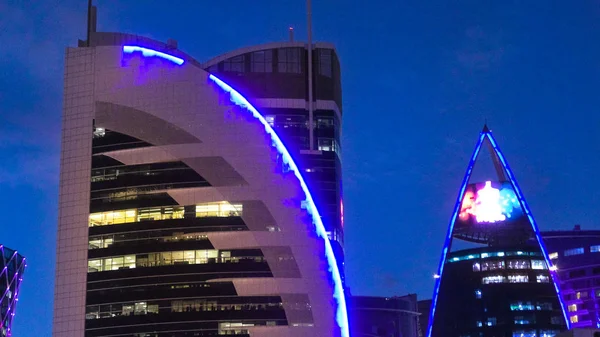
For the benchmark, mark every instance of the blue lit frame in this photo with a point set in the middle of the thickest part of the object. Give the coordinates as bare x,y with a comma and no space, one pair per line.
341,313
486,133
146,52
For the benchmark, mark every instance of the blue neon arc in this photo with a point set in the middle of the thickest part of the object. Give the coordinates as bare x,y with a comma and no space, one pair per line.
488,134
341,313
152,53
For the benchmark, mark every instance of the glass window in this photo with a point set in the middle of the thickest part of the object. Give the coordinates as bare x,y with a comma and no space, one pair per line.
556,320
581,295
548,333
262,61
595,249
325,62
478,294
326,144
574,319
520,320
491,321
492,265
476,266
524,333
574,251
493,279
289,60
572,307
542,279
538,264
521,306
553,256
235,64
518,278
519,264
544,306
218,209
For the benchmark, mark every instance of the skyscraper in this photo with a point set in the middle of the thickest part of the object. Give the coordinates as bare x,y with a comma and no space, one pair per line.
12,267
275,79
576,254
182,211
504,283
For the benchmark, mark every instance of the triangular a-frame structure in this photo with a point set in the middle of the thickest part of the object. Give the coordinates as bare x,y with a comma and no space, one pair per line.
507,218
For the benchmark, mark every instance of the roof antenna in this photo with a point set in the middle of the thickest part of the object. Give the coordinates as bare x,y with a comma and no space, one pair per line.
291,34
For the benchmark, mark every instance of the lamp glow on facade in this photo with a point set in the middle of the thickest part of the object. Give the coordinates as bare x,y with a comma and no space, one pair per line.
341,313
152,53
487,134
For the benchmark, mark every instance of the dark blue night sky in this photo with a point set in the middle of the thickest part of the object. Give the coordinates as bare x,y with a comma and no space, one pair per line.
419,81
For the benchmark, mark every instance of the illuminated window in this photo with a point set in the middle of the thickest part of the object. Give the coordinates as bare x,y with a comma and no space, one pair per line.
270,120
518,278
491,321
574,319
493,279
574,251
548,333
476,266
521,306
521,320
595,249
581,295
326,144
479,324
478,294
542,279
544,306
572,307
135,215
538,264
262,61
553,256
492,265
556,320
519,264
218,209
524,333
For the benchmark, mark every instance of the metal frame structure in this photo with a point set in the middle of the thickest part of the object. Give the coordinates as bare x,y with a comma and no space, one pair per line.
13,266
487,134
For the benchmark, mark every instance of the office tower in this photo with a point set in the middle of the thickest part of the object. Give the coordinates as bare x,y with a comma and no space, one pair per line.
275,78
182,212
576,254
503,283
395,316
12,267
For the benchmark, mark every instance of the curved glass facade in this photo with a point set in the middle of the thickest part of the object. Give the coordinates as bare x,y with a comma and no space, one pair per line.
12,267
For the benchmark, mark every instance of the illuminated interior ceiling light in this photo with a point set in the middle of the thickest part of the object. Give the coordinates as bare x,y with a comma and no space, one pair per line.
341,313
152,53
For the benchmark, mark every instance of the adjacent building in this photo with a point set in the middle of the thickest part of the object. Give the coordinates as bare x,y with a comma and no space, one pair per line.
395,316
576,253
183,211
580,333
12,267
506,285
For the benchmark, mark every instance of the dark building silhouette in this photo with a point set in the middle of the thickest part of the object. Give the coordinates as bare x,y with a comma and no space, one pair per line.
395,316
507,285
182,212
12,267
576,253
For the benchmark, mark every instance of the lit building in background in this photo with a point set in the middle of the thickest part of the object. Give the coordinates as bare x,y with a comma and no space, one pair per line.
12,267
395,316
182,210
275,79
580,333
576,254
506,285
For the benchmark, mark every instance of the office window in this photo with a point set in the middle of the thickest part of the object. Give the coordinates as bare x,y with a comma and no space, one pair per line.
521,306
521,320
325,62
574,251
544,306
476,266
556,320
524,333
553,256
478,294
491,321
493,279
479,324
289,60
326,144
519,264
538,264
261,61
595,249
492,265
548,333
235,64
574,319
518,278
581,295
572,307
542,279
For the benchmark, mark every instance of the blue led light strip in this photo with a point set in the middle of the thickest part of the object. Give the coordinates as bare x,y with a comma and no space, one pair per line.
534,226
447,244
448,241
341,313
151,52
